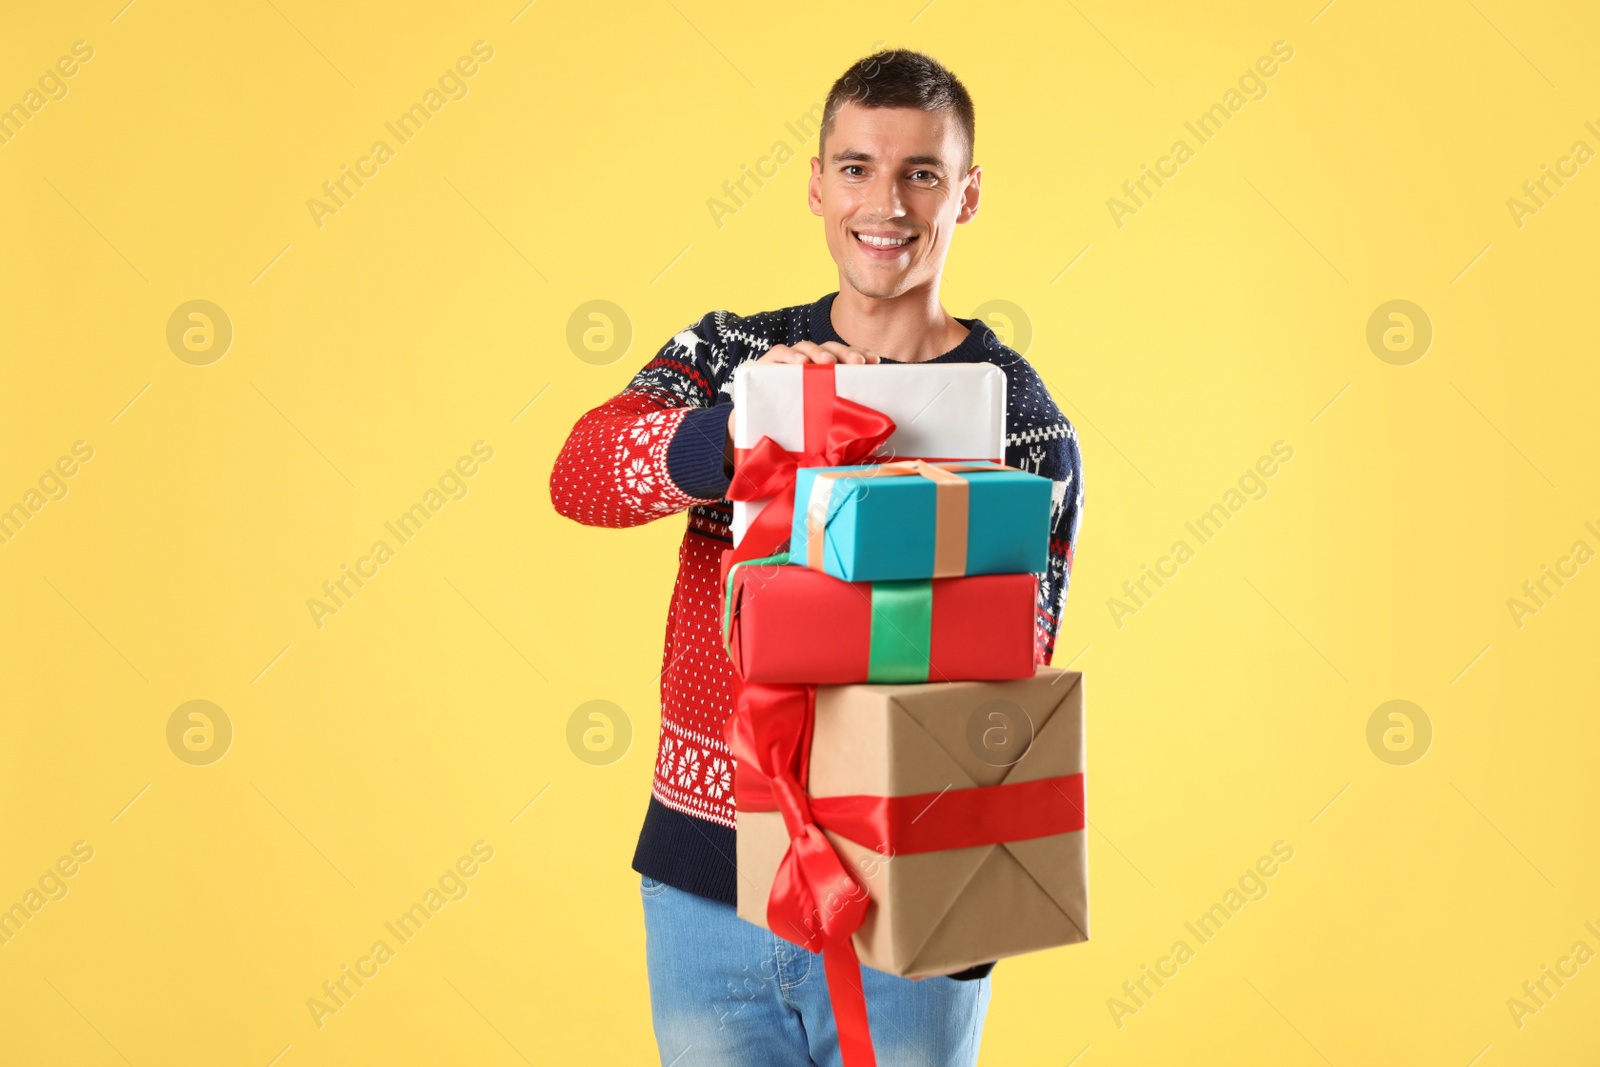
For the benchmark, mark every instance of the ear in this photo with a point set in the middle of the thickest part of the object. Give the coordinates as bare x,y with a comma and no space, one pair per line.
970,195
814,186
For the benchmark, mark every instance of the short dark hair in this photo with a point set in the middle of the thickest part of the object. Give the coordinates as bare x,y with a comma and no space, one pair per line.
900,78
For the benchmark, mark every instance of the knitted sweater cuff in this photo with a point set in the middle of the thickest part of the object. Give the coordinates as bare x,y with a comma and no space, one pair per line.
694,456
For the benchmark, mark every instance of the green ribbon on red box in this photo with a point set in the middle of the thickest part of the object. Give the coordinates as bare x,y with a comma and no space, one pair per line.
902,625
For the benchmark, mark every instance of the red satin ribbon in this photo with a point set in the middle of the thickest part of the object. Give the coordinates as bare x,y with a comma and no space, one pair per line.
816,902
838,432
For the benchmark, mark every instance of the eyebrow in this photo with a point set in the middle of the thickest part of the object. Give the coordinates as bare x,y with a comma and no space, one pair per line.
856,155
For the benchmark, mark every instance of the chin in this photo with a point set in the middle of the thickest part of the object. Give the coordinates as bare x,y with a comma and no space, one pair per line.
873,284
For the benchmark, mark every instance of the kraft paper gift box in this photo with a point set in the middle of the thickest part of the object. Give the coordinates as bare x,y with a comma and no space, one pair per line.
937,912
893,521
951,411
785,623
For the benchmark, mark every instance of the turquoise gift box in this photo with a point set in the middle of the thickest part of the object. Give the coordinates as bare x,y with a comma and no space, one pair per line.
886,528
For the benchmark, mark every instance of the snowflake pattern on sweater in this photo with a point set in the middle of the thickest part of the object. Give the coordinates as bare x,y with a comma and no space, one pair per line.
648,452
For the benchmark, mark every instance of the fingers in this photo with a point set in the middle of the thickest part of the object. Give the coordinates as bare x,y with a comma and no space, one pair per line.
781,354
815,353
834,352
846,354
811,352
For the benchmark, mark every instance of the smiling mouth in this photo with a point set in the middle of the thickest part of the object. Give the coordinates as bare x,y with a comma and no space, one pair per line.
883,244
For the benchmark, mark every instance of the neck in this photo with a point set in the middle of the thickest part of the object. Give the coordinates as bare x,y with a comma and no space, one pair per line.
910,328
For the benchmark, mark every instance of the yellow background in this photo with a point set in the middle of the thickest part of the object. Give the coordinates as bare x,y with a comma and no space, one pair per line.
368,354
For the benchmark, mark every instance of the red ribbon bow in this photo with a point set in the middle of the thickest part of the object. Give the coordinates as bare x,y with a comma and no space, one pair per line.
816,902
838,433
770,735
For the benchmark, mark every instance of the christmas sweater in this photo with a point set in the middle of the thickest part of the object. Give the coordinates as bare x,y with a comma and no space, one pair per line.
657,449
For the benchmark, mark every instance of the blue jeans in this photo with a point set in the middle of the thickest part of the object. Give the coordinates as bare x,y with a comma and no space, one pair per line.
725,993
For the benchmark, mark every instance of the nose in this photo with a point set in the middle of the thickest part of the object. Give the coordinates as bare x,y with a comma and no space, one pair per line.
885,195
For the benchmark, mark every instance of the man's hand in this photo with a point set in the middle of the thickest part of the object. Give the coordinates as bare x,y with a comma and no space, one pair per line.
803,352
810,352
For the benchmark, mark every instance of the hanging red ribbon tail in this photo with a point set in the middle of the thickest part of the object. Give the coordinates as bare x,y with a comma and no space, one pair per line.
849,1002
815,901
838,433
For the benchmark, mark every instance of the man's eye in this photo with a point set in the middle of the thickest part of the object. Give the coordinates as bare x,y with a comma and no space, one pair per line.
850,167
928,174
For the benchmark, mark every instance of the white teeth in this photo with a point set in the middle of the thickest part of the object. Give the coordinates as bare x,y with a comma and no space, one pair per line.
884,242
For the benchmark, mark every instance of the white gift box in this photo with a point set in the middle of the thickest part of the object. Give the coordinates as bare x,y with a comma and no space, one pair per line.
953,411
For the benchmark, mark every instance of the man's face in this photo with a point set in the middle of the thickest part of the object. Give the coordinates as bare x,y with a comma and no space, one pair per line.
892,172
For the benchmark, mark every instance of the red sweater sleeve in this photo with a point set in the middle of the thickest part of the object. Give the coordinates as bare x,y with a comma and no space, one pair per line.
613,470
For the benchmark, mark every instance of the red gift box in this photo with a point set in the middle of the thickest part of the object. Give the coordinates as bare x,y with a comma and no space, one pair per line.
791,624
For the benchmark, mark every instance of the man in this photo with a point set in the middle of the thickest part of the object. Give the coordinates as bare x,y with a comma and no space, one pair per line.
892,179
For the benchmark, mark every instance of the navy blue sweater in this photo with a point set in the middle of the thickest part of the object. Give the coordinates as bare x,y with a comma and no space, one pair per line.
661,446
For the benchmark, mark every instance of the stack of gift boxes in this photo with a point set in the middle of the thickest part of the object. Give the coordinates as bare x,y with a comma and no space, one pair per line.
909,786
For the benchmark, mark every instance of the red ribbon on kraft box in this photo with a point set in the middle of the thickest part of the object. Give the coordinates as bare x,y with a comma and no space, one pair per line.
815,901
